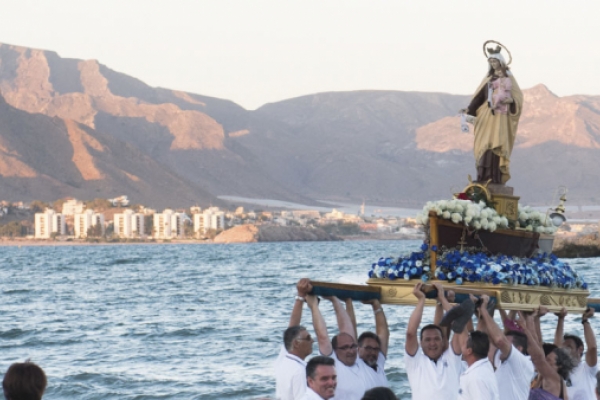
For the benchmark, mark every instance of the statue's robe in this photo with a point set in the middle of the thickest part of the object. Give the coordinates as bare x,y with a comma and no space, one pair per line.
494,133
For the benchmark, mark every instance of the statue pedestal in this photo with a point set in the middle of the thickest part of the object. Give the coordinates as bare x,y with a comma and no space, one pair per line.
497,188
506,205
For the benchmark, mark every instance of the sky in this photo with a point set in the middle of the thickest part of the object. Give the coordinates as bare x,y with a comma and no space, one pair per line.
255,52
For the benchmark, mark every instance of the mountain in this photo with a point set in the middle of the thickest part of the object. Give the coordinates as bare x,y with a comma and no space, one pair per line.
77,128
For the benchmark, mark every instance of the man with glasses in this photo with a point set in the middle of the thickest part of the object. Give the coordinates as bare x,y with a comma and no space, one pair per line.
353,377
290,367
373,347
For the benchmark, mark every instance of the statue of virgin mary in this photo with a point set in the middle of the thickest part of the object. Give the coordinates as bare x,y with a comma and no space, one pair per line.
496,107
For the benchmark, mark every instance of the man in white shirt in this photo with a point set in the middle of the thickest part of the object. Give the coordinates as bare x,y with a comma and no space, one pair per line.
582,381
352,372
514,369
433,368
373,347
290,368
321,378
478,381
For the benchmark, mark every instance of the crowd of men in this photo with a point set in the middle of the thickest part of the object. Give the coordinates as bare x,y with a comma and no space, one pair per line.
450,358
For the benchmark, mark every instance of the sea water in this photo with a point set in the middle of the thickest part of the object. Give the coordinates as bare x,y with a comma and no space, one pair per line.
183,321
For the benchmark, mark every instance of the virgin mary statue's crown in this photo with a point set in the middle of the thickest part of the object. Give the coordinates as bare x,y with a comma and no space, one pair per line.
491,50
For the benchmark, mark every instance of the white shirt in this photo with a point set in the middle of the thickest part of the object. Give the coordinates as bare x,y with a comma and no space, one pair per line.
290,376
431,380
514,375
310,395
377,378
352,382
583,382
478,382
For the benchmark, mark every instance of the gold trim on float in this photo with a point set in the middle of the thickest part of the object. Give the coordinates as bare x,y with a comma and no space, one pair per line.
508,297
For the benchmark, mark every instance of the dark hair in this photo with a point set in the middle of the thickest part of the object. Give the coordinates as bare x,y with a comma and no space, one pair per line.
313,363
598,383
576,339
548,348
479,342
519,340
368,335
431,327
379,393
334,340
564,362
24,381
290,334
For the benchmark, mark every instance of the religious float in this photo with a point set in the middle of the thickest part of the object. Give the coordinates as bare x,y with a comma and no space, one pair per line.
483,241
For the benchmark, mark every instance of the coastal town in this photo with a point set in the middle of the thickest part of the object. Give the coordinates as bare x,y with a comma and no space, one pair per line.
115,220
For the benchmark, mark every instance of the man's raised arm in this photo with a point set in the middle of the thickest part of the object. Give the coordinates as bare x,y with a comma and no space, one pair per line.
303,287
591,354
319,325
381,326
412,340
560,327
493,330
343,319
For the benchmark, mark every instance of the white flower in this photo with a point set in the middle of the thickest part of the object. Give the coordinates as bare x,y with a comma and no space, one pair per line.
529,228
504,222
468,219
484,223
497,220
446,215
492,226
477,225
438,211
484,213
458,207
523,216
456,217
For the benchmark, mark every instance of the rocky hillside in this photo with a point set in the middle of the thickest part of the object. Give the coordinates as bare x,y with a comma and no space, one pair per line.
272,233
77,128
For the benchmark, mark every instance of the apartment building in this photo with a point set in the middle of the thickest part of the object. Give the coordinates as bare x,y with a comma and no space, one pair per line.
72,207
169,225
129,225
86,220
211,218
47,223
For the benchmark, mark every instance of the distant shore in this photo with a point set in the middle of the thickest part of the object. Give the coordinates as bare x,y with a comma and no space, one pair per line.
79,242
41,242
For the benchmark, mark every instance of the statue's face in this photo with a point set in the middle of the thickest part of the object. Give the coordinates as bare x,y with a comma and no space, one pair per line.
494,63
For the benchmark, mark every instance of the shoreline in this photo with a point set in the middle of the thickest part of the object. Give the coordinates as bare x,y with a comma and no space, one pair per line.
61,243
77,242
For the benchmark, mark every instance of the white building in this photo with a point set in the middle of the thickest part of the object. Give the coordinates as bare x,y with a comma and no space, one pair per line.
47,223
121,201
211,218
129,224
72,207
169,224
84,221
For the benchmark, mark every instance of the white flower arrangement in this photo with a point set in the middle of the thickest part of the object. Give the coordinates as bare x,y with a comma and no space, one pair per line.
535,221
479,216
474,215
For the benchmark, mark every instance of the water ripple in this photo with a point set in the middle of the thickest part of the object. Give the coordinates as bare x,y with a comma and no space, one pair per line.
179,321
